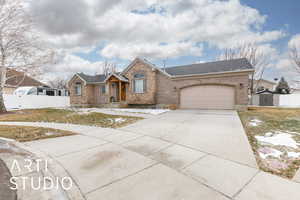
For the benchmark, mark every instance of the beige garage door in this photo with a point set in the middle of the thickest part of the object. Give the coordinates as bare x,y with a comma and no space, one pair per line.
207,97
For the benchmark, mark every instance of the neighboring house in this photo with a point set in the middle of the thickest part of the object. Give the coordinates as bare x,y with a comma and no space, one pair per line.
265,84
214,85
17,79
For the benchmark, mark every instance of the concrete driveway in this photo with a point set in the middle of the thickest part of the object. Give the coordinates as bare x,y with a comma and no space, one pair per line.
219,133
177,155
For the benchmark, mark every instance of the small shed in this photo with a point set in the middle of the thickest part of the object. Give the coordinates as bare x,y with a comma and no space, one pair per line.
264,98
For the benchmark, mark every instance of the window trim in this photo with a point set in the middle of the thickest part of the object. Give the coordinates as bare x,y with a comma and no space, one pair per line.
101,89
137,77
78,85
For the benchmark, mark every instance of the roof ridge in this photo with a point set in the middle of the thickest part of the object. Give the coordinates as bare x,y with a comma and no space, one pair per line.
210,62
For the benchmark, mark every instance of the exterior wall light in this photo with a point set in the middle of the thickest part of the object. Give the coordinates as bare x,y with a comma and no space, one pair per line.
241,85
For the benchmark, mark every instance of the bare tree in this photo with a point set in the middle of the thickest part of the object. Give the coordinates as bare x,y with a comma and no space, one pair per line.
20,46
254,55
59,83
108,68
295,56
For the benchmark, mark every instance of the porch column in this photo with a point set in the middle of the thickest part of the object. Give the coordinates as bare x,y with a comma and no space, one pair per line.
109,92
120,91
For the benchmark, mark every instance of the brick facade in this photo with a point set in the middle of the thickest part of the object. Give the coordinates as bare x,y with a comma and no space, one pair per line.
160,88
148,97
101,98
168,91
87,93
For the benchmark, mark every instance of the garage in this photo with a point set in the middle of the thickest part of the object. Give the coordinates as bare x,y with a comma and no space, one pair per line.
207,97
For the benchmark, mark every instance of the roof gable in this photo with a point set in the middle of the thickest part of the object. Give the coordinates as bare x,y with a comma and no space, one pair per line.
145,62
118,76
92,79
18,79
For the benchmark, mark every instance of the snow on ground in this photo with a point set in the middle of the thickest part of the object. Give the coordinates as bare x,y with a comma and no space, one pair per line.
128,110
119,120
137,110
51,133
279,138
293,155
255,122
83,112
266,152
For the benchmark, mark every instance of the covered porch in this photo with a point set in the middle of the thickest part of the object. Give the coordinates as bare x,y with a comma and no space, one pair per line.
116,85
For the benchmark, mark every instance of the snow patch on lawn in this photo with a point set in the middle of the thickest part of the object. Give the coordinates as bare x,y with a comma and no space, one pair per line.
293,155
144,111
255,122
266,152
84,111
119,120
51,133
278,139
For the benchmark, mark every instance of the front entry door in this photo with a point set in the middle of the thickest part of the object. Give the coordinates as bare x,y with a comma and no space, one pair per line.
123,94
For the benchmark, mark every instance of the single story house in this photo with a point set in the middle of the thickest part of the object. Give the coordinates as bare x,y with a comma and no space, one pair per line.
213,85
17,79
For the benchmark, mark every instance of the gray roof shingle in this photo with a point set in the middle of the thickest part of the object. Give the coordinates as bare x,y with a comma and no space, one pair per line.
92,79
193,69
210,67
99,78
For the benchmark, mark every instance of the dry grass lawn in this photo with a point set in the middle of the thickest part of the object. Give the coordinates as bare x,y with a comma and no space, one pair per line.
26,133
258,122
69,116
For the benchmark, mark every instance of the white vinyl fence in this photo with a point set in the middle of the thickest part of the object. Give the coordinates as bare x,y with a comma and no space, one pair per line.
290,100
35,101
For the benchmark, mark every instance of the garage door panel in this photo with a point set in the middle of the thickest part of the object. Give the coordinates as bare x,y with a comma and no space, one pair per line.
208,97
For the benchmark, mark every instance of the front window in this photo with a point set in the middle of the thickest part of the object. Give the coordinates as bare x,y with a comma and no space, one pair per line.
139,86
78,89
139,83
103,89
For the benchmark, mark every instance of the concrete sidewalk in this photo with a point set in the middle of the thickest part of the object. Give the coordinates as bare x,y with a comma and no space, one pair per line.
5,192
165,158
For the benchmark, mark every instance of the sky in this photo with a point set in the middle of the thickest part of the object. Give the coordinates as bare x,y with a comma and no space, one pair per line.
86,33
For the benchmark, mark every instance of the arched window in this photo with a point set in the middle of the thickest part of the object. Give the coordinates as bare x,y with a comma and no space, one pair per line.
139,83
139,76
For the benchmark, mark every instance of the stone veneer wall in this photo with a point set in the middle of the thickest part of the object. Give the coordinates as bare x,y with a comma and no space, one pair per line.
168,91
100,98
148,97
87,93
161,89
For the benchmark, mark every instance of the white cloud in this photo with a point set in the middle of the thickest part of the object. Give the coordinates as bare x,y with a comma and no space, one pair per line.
129,51
295,41
154,29
284,63
67,65
130,28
